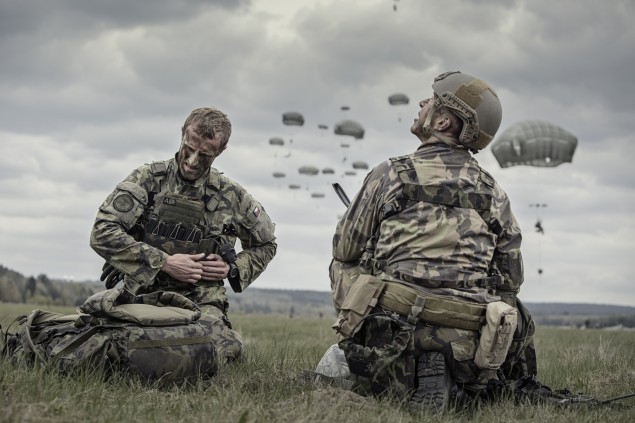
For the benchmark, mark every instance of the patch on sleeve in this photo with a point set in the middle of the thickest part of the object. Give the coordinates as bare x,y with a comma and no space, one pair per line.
123,203
256,211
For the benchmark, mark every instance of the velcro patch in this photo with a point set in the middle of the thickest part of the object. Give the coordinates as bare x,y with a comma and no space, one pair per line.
123,203
256,211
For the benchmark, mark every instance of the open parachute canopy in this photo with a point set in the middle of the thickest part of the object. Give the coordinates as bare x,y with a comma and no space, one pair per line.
279,174
534,143
349,127
308,170
360,165
293,119
276,141
398,99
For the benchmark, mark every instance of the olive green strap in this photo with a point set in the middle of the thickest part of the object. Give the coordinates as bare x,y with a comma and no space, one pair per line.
154,343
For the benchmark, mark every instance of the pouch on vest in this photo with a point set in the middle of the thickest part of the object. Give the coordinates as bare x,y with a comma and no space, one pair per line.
342,275
362,297
496,336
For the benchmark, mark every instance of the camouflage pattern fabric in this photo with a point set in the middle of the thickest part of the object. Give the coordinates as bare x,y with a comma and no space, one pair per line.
226,209
424,240
434,219
183,216
380,357
163,354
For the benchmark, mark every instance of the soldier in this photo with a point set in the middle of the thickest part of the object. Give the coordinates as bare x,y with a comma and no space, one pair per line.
172,225
426,254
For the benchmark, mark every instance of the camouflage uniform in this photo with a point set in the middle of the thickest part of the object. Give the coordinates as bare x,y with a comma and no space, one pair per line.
178,217
434,220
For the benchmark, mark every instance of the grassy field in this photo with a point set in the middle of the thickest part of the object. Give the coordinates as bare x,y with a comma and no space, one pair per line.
267,386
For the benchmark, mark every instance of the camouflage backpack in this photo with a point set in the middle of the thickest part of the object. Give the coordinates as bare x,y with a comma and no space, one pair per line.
156,339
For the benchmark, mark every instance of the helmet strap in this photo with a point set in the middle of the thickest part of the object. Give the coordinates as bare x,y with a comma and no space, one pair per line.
426,125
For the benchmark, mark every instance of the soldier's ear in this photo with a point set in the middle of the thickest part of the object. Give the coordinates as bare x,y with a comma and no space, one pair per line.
442,123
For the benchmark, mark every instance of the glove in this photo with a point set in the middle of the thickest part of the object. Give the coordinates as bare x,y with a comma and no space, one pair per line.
110,276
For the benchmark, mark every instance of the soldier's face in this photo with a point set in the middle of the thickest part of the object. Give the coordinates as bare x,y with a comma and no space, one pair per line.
417,126
197,154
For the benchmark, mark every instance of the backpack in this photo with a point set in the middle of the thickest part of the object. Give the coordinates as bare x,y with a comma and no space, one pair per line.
156,339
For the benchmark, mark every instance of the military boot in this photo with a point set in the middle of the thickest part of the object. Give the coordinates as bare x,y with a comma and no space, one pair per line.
433,382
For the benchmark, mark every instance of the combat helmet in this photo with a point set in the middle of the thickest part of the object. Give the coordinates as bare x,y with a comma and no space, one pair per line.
474,102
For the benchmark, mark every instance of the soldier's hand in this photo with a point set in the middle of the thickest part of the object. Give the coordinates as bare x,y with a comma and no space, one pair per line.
214,267
184,267
110,275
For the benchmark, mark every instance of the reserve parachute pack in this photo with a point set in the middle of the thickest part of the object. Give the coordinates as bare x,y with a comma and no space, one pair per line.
157,339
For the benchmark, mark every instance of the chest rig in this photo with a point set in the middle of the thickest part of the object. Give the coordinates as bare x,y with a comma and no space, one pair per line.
178,223
413,192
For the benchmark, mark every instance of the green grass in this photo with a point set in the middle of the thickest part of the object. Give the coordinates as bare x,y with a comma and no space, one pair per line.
266,387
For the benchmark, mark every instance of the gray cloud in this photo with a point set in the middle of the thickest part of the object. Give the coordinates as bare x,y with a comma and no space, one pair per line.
91,90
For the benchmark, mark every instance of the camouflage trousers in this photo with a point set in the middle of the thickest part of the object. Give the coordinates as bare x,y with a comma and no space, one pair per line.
382,356
212,300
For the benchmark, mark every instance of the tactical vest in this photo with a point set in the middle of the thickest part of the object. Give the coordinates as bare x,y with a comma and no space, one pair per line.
480,200
413,192
177,223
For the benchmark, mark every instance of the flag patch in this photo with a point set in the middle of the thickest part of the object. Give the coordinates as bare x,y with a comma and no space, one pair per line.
256,211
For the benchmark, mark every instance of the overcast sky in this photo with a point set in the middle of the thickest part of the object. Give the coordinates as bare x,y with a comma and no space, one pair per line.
92,89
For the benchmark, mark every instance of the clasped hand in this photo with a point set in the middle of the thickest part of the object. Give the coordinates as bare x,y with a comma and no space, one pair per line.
190,268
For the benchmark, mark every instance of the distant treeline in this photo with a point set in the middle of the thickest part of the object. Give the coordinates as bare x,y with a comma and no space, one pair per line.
16,288
40,290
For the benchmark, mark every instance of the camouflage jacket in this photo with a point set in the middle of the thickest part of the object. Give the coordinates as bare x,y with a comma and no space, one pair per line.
433,218
229,210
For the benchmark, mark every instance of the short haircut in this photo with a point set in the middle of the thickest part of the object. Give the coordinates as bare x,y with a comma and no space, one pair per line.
208,122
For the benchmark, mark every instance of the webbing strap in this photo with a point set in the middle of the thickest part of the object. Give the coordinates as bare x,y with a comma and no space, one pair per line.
154,343
435,310
486,282
78,341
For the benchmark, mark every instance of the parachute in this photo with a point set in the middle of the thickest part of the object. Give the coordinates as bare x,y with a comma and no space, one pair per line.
308,170
360,165
349,127
294,186
323,126
278,175
276,141
328,171
398,99
534,143
293,119
317,195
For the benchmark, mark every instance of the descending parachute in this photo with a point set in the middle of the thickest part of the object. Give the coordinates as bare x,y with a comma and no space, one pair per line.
294,186
308,170
398,99
276,141
279,174
349,127
293,119
534,143
323,126
360,165
317,195
328,171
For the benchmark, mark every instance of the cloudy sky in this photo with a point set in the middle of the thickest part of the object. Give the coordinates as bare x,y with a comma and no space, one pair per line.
93,89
